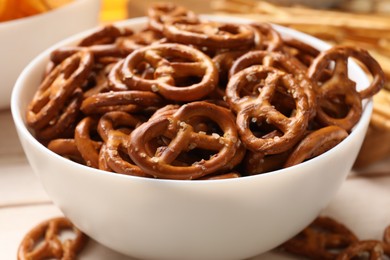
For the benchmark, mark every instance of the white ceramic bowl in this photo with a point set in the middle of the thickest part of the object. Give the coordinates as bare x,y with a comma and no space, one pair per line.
168,219
23,39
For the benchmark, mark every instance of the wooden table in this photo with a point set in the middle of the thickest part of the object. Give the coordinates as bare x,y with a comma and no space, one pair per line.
362,203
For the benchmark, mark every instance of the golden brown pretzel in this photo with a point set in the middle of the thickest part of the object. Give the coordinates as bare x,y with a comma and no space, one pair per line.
324,238
114,128
302,51
183,138
57,88
266,37
340,54
44,242
172,63
316,143
210,35
338,88
259,109
161,13
127,101
64,123
284,63
84,142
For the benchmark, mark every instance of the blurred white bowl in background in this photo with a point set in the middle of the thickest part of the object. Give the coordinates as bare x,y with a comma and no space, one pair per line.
23,39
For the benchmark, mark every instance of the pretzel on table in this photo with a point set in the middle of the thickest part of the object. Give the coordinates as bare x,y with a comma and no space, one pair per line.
44,241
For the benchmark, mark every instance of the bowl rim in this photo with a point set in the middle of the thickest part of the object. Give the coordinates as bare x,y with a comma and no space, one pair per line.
22,128
42,15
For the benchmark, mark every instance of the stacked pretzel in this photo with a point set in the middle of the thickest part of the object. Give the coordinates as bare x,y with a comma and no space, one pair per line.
189,98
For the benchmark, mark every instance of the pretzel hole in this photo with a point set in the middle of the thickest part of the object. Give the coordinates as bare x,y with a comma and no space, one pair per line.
186,81
144,70
228,29
262,129
335,106
284,103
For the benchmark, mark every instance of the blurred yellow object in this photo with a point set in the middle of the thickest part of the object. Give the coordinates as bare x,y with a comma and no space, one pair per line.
114,10
14,9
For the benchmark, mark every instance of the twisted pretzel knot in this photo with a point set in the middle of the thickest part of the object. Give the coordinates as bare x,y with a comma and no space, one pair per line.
284,63
172,64
286,130
322,239
183,138
57,88
266,38
52,247
207,34
114,128
338,89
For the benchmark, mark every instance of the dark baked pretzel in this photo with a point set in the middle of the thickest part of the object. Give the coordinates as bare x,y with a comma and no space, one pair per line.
324,238
127,101
173,64
114,128
161,13
183,138
340,55
316,143
259,109
276,60
44,241
338,89
84,142
266,37
56,89
208,34
374,250
64,123
302,51
284,63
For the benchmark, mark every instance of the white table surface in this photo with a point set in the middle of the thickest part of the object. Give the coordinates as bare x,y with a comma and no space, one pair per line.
362,203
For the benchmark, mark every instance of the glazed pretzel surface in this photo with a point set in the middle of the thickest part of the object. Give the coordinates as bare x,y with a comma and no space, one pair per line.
56,89
44,241
208,34
183,137
172,62
259,109
339,88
